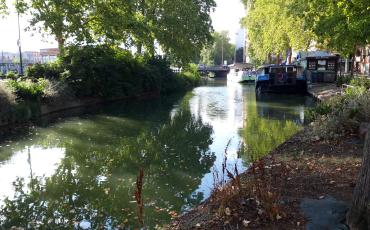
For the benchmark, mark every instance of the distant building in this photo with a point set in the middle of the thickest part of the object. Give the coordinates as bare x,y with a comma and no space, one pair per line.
31,57
49,55
362,60
10,61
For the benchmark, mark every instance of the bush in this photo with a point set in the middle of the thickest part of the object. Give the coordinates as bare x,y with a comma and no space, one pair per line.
103,71
11,75
361,82
343,80
7,98
191,75
321,109
51,71
28,89
345,115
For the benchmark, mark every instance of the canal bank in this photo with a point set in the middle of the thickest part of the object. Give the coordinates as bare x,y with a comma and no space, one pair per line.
323,91
31,111
283,189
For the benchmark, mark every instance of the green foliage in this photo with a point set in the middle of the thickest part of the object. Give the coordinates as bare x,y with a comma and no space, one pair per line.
344,114
356,90
181,27
212,54
28,89
3,7
7,98
341,25
51,71
343,80
277,25
11,75
321,109
360,82
102,71
274,27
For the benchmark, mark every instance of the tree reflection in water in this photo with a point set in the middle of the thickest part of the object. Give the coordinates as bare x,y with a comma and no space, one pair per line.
93,186
270,120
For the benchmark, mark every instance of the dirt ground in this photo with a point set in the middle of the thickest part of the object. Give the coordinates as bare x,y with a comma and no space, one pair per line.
269,194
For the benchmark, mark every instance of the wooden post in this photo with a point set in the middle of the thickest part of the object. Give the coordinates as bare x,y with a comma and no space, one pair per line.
359,214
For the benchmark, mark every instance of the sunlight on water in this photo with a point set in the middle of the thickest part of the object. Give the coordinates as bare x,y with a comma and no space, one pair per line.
30,162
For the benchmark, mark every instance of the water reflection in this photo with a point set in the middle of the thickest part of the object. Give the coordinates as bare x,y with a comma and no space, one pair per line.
80,172
94,182
271,119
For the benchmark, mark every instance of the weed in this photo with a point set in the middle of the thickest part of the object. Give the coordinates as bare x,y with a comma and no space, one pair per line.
139,197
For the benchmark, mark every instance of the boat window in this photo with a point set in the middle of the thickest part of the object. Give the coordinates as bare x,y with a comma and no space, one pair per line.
312,65
291,69
277,70
331,65
321,65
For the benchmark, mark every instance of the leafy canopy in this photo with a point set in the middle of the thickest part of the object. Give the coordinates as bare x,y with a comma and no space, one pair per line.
181,28
339,25
212,54
273,29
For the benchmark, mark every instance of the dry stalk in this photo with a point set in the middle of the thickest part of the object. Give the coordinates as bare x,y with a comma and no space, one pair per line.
139,197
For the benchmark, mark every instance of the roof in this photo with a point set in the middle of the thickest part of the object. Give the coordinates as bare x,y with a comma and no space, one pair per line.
241,66
318,53
275,65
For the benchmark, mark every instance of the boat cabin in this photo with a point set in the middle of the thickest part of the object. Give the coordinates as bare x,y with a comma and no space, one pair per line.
281,78
319,66
322,69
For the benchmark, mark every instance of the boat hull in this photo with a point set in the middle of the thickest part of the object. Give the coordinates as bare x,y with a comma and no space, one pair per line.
241,77
300,87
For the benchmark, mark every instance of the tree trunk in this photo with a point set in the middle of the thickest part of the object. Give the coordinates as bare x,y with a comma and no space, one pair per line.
277,61
60,41
359,214
139,48
290,51
353,59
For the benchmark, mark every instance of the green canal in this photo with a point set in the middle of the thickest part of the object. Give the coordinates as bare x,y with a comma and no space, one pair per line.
79,171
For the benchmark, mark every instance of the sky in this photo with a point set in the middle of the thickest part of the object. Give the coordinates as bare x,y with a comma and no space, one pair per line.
226,17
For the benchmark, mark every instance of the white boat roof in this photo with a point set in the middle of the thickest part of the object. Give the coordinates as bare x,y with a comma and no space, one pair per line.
241,66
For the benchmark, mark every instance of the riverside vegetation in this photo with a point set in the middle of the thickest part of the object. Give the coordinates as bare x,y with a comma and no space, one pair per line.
343,114
98,72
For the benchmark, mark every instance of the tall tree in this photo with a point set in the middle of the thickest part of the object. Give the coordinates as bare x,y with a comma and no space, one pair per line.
273,29
221,49
179,27
341,26
64,19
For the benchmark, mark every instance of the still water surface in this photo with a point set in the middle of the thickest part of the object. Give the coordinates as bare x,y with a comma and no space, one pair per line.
80,172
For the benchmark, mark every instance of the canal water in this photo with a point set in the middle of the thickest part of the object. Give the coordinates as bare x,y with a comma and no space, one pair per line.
80,171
